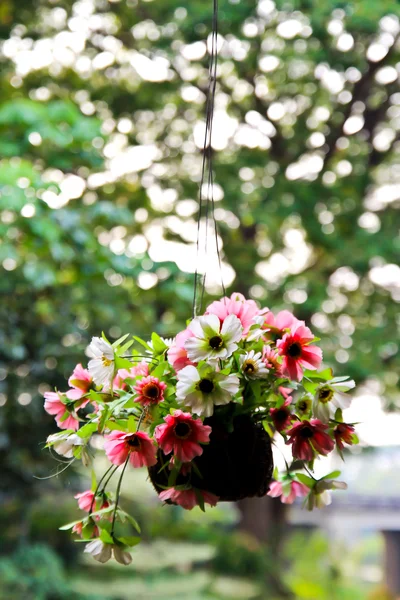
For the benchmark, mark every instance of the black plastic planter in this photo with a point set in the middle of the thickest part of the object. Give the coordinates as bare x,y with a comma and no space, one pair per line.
235,464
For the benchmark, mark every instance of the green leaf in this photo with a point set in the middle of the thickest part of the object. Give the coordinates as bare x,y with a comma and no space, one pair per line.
325,375
339,415
125,347
306,480
120,340
122,363
332,475
87,430
160,370
71,525
310,387
127,517
103,335
142,343
173,476
106,537
132,424
129,540
159,347
200,499
102,511
268,428
104,416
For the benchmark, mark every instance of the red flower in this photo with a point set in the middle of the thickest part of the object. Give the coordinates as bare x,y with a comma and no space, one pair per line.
282,417
187,498
150,390
182,435
307,436
344,435
272,360
138,446
296,489
296,352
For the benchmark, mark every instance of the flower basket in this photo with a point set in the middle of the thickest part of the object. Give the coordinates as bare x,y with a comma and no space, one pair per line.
199,412
236,464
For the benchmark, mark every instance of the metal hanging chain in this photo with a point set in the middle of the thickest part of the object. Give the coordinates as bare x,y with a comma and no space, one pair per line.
207,166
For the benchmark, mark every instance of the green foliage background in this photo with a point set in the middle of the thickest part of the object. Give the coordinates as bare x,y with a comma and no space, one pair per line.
69,260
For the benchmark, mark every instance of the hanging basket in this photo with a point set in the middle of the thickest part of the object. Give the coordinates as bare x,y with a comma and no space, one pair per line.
235,464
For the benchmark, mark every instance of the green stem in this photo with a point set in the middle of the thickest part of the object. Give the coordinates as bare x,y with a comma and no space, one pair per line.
117,496
140,420
112,475
97,488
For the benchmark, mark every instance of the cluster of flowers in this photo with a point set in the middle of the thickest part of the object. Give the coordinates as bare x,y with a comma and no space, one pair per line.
156,399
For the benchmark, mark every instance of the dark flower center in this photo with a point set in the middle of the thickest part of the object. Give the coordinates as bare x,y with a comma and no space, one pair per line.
182,430
302,405
306,432
325,394
249,367
134,442
294,350
206,386
151,391
216,342
281,415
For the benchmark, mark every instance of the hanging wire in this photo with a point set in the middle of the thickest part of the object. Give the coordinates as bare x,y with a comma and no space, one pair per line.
207,167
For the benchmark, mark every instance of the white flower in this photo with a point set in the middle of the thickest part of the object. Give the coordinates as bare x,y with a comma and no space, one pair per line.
102,366
99,550
252,365
210,341
64,443
103,552
201,390
124,558
256,331
320,496
329,396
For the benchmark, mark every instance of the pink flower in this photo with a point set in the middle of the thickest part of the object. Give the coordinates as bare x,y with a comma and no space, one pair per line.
296,490
296,352
53,405
272,360
307,436
187,498
177,355
344,434
80,382
285,391
69,423
244,310
150,390
77,528
282,321
140,369
86,501
282,417
182,435
138,446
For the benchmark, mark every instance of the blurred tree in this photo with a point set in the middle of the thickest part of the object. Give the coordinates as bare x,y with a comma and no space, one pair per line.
100,127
